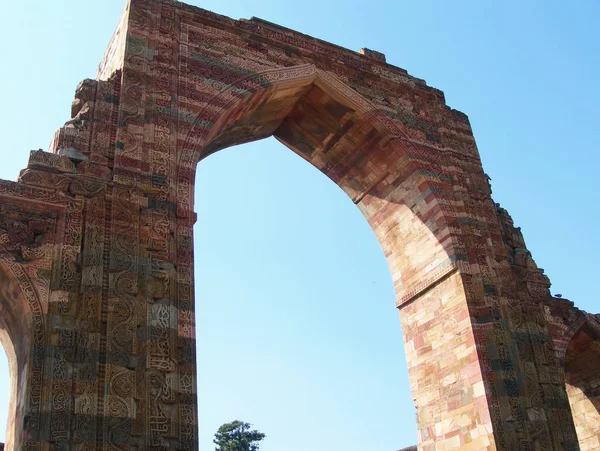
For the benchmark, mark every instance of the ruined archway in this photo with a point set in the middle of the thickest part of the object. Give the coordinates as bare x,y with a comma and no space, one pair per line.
116,195
7,375
20,328
35,265
293,287
345,137
582,378
349,140
14,330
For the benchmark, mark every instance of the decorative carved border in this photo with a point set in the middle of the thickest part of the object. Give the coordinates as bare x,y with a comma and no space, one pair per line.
37,356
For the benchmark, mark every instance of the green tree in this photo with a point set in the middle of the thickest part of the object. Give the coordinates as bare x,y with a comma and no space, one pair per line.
237,436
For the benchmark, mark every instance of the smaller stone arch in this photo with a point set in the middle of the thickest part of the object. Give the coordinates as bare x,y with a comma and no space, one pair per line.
22,336
582,378
33,223
576,343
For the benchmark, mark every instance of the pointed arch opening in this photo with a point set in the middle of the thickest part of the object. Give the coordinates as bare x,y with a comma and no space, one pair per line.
403,190
293,268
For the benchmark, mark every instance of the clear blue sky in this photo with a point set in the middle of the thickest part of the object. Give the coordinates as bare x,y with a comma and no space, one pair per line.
297,331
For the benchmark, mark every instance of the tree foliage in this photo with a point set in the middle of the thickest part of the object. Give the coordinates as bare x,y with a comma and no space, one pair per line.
237,436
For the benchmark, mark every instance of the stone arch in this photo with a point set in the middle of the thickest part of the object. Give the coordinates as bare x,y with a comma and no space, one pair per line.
404,189
259,105
22,336
581,357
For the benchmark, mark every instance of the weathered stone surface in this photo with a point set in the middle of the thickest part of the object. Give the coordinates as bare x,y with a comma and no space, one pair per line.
96,267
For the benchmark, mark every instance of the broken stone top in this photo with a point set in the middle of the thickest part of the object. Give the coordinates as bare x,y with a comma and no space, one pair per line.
372,54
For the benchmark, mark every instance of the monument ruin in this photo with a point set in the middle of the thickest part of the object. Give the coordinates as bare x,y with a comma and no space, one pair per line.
96,267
